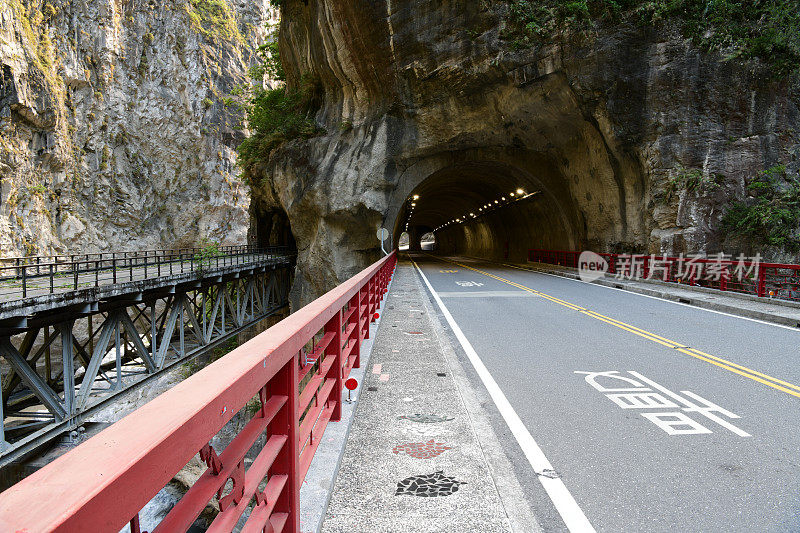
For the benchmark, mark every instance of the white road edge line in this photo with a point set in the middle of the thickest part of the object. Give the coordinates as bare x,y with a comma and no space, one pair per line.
784,326
562,499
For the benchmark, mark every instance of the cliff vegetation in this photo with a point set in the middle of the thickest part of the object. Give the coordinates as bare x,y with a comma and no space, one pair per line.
770,215
764,29
276,115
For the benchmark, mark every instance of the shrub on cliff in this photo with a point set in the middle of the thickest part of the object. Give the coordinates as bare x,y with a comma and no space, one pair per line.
766,29
214,19
279,115
770,216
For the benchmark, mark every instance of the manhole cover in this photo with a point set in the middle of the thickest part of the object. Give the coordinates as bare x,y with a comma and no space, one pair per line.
429,486
426,419
422,450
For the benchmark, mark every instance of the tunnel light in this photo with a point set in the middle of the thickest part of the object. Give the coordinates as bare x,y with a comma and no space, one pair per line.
413,205
416,197
497,201
503,198
520,191
512,194
473,214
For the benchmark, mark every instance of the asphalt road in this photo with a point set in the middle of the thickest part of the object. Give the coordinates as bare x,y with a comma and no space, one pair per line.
698,429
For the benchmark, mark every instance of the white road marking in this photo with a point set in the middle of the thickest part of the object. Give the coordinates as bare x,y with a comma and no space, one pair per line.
562,499
488,294
640,395
790,328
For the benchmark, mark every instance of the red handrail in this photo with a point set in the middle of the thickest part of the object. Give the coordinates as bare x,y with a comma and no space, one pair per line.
774,280
103,484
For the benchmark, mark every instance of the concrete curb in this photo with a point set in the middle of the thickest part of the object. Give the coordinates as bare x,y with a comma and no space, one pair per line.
667,295
317,488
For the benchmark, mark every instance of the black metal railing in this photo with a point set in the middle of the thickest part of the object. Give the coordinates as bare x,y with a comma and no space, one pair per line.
37,275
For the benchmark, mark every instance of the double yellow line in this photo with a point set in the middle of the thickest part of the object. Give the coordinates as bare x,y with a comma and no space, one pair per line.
769,381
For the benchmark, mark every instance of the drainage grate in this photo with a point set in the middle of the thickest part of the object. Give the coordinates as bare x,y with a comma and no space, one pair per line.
426,419
441,374
684,301
372,389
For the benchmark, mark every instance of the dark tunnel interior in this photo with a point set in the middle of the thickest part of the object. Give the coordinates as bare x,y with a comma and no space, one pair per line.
489,210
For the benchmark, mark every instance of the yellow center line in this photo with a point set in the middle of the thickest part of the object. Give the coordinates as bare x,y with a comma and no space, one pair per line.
760,377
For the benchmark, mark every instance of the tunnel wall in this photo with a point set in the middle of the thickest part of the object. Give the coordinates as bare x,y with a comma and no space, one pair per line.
509,233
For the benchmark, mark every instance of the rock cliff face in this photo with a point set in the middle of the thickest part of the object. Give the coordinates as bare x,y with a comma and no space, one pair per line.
114,131
426,97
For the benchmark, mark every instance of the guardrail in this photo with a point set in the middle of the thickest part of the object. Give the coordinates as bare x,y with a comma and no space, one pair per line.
46,275
774,280
291,376
33,260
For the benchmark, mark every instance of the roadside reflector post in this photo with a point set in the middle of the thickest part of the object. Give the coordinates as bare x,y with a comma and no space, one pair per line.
351,385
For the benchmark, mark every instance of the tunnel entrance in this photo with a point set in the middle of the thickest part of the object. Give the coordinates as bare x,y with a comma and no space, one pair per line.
272,228
500,209
403,241
428,242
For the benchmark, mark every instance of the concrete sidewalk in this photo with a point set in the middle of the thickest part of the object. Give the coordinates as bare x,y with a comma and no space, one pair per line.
421,456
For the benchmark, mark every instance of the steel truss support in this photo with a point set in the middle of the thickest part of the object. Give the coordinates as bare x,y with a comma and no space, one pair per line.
122,342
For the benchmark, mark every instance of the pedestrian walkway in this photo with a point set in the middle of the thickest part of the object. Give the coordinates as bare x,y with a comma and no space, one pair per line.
421,456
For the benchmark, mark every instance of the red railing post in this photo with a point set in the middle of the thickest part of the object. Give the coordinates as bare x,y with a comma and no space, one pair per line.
723,280
356,335
762,280
334,349
287,462
371,289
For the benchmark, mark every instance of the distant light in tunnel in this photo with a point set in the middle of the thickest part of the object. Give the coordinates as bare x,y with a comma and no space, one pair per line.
512,194
520,191
497,201
413,205
416,197
503,198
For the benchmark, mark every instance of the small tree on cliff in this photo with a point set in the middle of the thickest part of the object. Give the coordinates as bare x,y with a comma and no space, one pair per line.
280,114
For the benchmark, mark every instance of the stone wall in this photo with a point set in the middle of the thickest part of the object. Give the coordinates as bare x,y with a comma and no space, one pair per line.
114,133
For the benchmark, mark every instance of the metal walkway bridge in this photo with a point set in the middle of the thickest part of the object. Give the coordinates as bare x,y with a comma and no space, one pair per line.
76,331
288,380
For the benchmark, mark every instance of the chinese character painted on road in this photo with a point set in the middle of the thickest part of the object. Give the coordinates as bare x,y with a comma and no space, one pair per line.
639,392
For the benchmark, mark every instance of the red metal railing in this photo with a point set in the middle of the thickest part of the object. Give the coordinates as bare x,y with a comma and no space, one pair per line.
774,280
290,375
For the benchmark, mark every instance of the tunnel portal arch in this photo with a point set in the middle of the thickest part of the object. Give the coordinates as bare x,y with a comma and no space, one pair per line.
499,205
